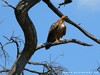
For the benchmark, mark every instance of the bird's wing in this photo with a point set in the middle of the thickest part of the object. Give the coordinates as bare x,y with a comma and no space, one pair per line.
53,27
51,34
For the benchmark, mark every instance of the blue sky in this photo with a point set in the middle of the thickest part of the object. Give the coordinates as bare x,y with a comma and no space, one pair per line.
75,57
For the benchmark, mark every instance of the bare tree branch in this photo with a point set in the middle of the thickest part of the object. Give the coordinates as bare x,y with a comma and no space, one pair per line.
21,13
38,63
51,68
6,70
33,71
65,2
56,11
63,42
17,45
8,4
98,68
5,54
10,40
15,40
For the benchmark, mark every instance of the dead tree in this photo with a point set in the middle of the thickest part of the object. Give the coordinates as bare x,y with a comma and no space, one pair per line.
30,46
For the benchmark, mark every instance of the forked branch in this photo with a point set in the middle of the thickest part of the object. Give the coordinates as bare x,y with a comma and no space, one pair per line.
8,4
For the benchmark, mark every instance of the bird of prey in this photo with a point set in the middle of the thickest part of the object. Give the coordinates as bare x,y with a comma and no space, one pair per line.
57,31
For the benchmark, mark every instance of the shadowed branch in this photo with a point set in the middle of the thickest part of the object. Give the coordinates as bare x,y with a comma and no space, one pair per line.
65,41
65,2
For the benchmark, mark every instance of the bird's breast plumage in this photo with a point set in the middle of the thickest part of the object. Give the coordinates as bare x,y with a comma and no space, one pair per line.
57,31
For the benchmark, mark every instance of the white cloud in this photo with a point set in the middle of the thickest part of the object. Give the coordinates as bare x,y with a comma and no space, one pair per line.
90,4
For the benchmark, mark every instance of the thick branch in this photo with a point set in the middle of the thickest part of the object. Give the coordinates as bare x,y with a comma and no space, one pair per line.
63,42
65,2
55,10
21,13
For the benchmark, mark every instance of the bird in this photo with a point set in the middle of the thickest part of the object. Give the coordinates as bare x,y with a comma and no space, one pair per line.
56,31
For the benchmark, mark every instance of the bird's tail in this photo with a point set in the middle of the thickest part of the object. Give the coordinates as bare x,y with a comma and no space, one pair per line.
47,47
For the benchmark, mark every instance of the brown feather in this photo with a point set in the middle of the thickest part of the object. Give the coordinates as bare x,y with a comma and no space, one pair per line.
57,31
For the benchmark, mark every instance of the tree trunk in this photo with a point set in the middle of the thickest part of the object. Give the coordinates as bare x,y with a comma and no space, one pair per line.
21,13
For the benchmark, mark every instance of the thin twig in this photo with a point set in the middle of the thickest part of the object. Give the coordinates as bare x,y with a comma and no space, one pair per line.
6,70
51,68
15,40
17,45
32,71
8,4
38,63
4,53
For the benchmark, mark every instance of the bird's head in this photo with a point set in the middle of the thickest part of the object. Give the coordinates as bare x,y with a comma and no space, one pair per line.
63,18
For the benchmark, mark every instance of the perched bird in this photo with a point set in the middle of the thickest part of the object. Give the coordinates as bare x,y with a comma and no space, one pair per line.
57,31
